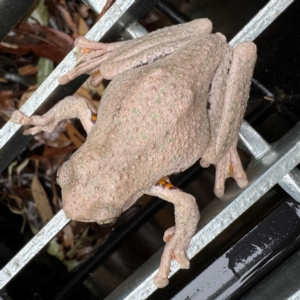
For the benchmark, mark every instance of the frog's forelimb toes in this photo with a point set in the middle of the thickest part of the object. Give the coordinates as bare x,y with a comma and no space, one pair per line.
41,123
18,117
69,107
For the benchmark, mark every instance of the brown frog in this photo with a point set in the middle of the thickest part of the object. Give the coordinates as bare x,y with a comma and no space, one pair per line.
177,95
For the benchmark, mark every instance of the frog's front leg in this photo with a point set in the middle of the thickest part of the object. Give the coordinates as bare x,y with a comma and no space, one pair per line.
69,107
177,238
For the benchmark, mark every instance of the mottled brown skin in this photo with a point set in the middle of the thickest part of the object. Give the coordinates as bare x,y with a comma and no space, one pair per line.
176,95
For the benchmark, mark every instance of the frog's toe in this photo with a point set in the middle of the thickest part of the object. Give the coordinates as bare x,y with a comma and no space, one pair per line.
181,257
219,192
229,166
33,130
160,281
242,182
96,80
63,79
168,234
17,117
204,163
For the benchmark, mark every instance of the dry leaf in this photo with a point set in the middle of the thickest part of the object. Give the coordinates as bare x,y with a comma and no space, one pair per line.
83,93
43,41
84,10
58,153
28,70
75,136
83,28
41,200
27,94
68,19
59,141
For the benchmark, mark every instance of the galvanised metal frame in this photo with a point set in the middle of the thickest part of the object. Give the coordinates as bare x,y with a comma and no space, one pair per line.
269,165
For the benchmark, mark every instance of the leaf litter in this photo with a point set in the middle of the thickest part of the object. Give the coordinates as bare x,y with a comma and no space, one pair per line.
28,187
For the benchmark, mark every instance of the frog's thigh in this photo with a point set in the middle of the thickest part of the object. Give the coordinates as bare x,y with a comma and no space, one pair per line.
186,219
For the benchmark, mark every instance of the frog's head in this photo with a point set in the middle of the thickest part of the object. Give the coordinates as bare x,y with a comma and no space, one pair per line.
86,194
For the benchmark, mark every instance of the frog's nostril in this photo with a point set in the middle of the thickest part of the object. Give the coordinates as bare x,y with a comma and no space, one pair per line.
107,223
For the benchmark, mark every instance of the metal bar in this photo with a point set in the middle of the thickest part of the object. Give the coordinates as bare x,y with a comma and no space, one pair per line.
281,284
261,21
34,246
296,296
290,183
257,146
171,12
134,30
96,6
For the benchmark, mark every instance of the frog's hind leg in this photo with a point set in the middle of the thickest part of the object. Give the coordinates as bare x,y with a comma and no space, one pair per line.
178,237
90,55
108,60
229,166
227,120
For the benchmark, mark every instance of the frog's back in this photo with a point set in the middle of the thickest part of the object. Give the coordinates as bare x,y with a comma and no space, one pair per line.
153,121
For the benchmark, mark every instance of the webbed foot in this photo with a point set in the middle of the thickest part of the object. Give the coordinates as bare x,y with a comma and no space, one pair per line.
229,166
178,237
90,56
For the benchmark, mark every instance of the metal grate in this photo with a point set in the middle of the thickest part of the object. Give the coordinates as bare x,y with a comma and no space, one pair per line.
272,164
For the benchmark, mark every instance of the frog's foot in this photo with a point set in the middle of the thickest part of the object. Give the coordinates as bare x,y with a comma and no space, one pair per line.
178,237
229,166
175,248
168,234
90,56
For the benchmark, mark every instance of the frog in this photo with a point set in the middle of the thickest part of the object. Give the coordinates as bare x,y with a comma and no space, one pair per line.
176,96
